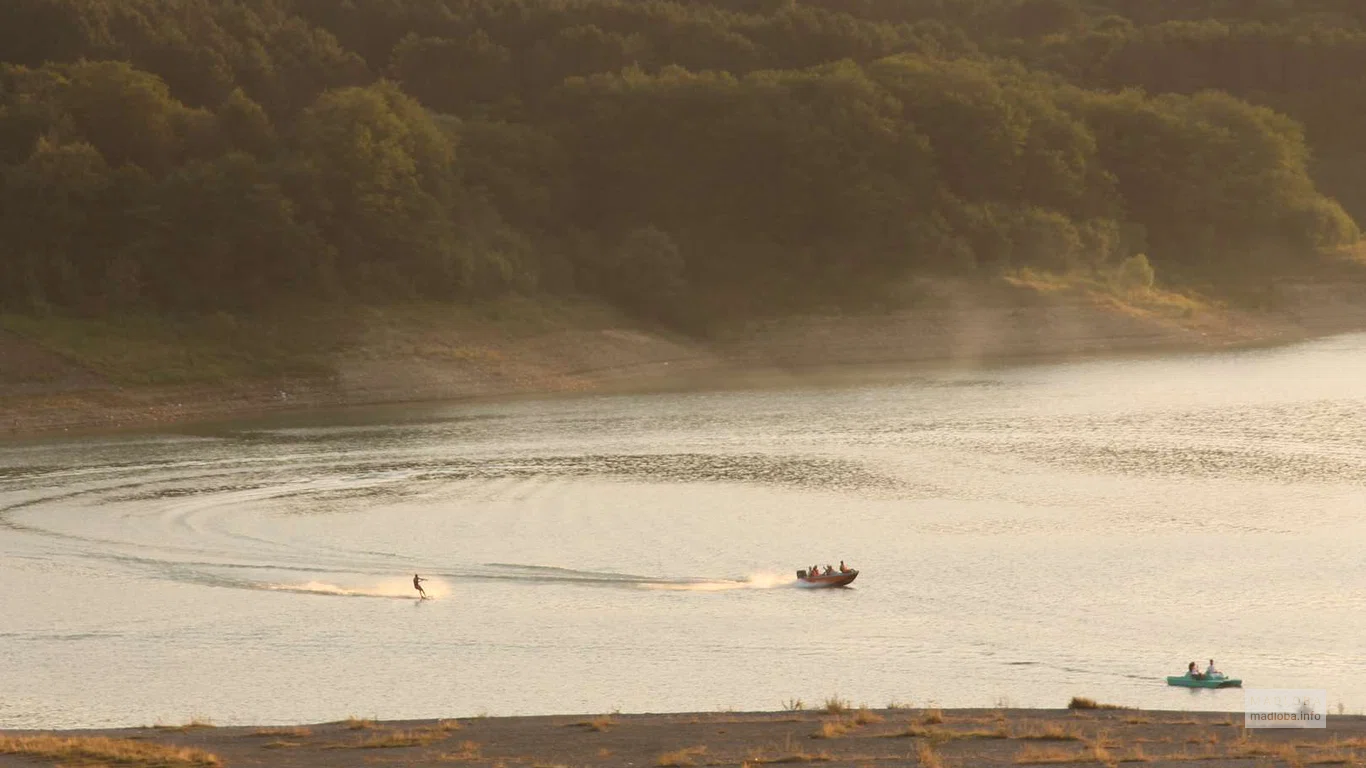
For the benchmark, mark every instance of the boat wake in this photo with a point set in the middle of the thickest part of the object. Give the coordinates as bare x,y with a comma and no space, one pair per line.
753,581
392,588
553,574
402,588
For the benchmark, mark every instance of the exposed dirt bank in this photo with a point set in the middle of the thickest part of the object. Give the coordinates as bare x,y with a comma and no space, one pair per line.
396,357
886,737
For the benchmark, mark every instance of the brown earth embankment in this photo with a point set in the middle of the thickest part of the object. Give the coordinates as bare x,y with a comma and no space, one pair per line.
849,737
392,359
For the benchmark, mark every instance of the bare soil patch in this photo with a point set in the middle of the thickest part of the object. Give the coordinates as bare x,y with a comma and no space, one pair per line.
886,737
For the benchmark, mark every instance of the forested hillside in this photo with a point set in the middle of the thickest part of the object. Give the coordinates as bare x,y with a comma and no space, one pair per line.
675,158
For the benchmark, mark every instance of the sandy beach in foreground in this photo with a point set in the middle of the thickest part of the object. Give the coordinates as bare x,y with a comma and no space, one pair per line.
852,737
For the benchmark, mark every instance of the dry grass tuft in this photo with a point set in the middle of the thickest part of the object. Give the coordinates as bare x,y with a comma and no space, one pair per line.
933,735
1333,757
1246,747
392,740
865,716
354,723
932,717
1186,755
792,757
1048,732
469,750
1081,702
831,729
284,733
100,749
682,757
447,726
945,735
1032,755
836,706
926,757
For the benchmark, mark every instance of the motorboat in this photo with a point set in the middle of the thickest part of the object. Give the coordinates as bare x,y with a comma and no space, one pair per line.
832,579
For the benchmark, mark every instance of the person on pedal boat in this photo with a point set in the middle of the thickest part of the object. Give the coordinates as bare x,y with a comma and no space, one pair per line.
1211,671
1193,672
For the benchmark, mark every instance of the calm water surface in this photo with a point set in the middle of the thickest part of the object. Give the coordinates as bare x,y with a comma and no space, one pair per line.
1024,535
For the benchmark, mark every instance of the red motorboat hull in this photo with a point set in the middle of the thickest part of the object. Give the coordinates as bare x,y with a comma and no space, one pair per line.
821,580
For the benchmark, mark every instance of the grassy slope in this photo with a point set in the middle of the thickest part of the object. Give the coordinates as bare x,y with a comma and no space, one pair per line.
67,373
135,350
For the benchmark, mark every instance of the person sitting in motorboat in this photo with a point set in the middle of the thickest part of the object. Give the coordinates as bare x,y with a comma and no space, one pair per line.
829,569
1211,671
843,568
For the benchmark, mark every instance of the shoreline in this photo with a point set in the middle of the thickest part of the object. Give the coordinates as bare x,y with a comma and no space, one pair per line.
134,410
837,734
422,358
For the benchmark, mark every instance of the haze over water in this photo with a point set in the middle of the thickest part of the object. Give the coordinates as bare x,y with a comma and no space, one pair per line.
1024,534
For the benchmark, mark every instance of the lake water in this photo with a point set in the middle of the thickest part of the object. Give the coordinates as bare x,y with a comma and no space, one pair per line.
1024,534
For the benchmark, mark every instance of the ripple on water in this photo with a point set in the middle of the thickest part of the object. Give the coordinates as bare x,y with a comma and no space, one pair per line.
1039,533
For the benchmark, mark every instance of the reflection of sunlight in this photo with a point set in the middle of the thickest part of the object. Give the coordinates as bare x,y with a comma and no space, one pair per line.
753,581
399,588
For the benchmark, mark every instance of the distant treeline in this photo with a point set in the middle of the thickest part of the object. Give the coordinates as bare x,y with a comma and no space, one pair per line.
172,155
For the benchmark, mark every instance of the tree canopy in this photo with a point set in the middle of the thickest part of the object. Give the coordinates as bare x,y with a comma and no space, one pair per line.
196,155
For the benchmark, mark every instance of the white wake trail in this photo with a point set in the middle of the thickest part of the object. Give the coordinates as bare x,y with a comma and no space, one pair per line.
762,580
393,588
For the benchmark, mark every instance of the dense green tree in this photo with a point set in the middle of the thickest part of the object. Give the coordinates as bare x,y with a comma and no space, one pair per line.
229,237
130,116
451,75
244,125
731,154
646,274
46,224
375,172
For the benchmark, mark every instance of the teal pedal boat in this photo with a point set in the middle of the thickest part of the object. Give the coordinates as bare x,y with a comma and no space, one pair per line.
1219,681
